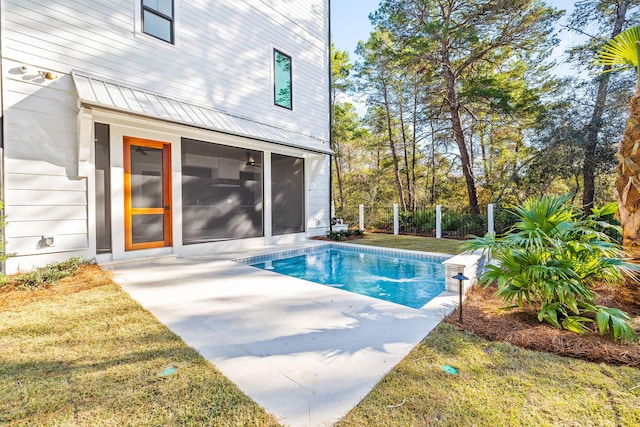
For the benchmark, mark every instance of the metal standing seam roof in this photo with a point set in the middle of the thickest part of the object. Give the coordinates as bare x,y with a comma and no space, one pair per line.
96,91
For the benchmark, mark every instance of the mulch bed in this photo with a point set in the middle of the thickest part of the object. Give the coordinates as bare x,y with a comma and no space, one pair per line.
483,317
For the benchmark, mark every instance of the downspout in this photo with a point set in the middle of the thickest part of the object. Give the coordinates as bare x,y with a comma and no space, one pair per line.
330,118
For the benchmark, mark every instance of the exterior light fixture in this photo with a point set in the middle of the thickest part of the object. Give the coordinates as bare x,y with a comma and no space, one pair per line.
460,278
48,75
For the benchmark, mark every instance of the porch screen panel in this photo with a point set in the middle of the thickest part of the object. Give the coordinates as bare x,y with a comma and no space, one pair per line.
221,192
103,188
287,189
147,228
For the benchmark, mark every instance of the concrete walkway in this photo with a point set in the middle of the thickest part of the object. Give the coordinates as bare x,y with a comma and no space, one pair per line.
307,353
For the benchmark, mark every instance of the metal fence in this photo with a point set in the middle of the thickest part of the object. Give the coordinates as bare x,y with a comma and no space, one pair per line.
423,221
420,222
462,223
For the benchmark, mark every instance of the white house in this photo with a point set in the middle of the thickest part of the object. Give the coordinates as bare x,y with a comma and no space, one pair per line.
143,128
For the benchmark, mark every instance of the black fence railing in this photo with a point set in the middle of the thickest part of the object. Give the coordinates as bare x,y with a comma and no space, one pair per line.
462,223
455,223
420,222
378,219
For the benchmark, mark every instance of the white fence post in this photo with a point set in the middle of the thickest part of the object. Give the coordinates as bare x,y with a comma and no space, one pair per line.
361,216
396,220
333,209
490,219
438,222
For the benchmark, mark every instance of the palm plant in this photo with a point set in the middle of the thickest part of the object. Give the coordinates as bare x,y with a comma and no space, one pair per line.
553,257
624,51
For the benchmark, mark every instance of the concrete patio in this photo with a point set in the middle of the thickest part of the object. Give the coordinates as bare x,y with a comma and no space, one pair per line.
305,352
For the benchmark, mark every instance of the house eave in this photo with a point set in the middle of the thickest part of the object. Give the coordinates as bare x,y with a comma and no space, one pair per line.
97,92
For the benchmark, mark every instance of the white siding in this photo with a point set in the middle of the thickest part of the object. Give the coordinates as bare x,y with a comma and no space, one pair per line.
222,56
222,59
318,196
43,195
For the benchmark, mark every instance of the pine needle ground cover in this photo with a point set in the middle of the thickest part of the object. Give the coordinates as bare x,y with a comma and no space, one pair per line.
483,315
82,352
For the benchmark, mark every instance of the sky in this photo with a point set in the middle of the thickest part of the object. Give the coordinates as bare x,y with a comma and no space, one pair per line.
350,24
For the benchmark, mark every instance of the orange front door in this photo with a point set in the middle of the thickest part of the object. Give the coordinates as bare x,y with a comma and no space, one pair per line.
147,194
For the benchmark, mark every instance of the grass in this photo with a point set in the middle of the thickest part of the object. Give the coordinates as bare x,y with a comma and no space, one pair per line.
95,357
415,243
84,353
498,385
43,276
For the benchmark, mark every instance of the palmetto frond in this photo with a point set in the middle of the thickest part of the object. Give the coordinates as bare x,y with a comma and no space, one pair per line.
553,256
622,50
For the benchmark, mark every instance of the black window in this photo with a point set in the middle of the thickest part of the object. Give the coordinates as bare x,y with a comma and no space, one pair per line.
282,80
157,19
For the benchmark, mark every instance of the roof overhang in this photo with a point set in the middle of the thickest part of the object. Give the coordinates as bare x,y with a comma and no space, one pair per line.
98,92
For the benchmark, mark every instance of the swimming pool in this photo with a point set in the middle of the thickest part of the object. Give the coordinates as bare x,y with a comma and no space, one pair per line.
408,278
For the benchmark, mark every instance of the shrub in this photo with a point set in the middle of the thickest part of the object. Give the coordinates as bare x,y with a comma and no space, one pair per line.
420,221
461,223
339,236
47,275
552,256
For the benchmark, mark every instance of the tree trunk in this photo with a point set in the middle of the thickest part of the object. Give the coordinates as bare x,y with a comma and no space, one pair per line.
406,154
593,128
432,186
394,152
458,133
485,161
628,182
414,145
339,179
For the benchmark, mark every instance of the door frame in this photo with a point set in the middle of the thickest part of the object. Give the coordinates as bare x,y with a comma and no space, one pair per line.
166,210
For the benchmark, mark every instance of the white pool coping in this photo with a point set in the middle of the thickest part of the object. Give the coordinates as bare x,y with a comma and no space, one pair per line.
305,352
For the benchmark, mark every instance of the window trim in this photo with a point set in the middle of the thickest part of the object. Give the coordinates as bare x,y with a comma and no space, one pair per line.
144,8
275,97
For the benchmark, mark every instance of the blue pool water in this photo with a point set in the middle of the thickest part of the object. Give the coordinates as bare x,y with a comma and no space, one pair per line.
410,282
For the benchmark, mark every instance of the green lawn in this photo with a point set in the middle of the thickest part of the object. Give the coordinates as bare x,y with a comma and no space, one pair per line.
498,385
415,243
95,357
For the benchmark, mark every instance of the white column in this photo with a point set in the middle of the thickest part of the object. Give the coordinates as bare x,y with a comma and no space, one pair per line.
490,219
438,222
333,210
396,220
361,215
